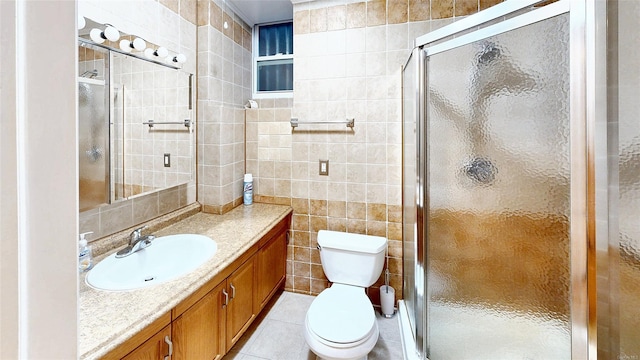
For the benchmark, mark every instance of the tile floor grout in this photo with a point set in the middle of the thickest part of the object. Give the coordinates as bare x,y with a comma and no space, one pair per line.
277,334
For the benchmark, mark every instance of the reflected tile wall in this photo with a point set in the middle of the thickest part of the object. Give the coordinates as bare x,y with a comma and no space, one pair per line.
110,219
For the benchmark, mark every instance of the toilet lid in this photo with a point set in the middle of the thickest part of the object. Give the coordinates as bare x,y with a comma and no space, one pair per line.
341,315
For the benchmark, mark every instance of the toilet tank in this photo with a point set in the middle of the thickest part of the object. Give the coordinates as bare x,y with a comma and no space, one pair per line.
351,259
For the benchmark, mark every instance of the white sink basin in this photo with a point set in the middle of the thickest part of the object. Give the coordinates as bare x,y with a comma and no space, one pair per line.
167,258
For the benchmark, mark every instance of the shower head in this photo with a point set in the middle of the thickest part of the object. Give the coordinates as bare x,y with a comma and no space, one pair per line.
480,170
488,54
90,74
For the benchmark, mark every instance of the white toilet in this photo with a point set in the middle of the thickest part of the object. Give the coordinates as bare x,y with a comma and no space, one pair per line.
341,323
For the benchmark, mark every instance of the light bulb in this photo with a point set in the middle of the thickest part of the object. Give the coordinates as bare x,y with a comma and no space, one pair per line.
81,22
111,33
125,45
180,59
148,53
161,52
139,44
96,36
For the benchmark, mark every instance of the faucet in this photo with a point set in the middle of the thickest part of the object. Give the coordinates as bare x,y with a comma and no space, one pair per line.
136,243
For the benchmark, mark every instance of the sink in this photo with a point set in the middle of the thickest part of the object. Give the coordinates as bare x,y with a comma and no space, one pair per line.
167,258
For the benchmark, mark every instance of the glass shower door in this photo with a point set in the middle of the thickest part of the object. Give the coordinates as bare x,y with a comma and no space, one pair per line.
497,203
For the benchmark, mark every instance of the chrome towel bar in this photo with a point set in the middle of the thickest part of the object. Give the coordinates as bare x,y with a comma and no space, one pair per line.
295,122
151,123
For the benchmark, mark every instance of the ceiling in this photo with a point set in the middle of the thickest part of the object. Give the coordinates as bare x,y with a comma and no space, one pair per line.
262,11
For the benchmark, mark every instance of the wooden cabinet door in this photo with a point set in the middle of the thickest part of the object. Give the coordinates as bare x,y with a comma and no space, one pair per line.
272,263
199,333
242,308
155,348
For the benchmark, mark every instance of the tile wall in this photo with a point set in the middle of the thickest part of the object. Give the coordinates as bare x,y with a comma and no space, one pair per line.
224,86
348,60
347,64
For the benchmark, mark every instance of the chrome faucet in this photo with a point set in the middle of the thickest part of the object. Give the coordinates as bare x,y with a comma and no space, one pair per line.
136,243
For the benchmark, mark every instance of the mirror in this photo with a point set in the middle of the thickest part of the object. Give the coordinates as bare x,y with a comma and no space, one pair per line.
135,126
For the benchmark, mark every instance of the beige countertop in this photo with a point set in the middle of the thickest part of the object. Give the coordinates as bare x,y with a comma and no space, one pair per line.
107,319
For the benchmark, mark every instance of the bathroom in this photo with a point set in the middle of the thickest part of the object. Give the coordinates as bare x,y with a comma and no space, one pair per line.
348,65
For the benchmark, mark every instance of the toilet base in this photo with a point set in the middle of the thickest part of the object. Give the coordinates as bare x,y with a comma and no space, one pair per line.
364,358
357,352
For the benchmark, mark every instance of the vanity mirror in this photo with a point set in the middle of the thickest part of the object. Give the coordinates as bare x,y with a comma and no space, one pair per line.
136,122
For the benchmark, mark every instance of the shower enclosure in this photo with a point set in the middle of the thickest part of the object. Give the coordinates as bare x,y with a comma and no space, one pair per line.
499,226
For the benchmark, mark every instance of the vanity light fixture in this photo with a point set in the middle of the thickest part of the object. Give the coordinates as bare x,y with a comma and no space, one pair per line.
110,33
160,52
148,53
180,59
81,22
137,44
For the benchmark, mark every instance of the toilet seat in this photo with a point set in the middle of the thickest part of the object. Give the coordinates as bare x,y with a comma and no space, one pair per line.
341,316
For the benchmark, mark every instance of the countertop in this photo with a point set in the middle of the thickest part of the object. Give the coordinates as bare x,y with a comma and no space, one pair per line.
107,319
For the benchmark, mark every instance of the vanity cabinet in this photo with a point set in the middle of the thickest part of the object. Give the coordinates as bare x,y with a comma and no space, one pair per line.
198,333
272,264
206,324
241,307
154,348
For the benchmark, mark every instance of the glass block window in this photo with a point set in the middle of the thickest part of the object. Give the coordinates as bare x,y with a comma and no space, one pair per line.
273,66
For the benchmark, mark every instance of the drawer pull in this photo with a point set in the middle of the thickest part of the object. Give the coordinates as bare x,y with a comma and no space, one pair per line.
226,297
233,291
168,341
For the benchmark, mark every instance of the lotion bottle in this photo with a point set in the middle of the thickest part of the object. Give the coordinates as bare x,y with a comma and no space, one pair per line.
85,258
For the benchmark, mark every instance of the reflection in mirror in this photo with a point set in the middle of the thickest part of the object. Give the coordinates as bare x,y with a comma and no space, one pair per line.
148,158
93,130
120,154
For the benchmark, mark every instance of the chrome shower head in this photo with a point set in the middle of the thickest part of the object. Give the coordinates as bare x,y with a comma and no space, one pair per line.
480,170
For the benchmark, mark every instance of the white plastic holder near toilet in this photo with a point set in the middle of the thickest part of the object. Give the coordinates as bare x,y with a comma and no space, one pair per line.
387,300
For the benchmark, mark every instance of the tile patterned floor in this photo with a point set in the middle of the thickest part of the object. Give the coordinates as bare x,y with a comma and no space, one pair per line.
277,334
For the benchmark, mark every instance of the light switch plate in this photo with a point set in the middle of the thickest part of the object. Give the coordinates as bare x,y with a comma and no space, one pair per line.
323,168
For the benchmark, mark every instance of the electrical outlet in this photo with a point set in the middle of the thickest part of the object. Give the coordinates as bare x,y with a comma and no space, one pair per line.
324,167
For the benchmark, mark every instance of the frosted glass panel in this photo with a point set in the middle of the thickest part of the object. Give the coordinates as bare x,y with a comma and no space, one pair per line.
629,178
498,196
93,133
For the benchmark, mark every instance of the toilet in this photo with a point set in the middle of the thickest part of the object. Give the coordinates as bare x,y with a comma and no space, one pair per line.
341,323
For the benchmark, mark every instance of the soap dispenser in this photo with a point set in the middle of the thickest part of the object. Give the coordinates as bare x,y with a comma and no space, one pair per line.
85,260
